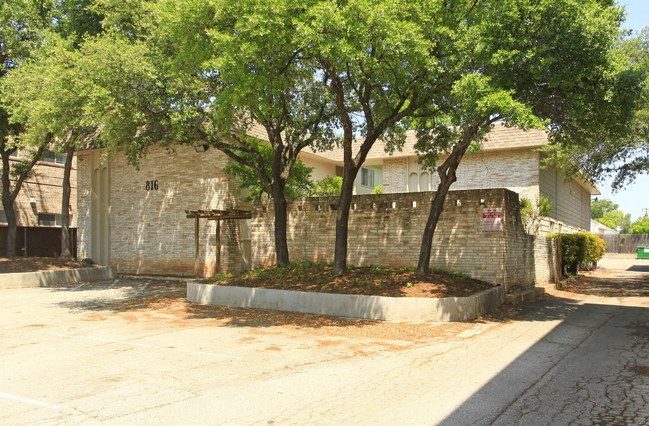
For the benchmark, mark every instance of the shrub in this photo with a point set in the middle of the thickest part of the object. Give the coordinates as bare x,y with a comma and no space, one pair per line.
595,248
531,214
378,190
328,187
580,249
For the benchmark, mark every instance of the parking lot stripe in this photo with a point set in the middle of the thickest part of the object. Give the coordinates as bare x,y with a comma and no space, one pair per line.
143,287
29,401
142,345
113,284
79,286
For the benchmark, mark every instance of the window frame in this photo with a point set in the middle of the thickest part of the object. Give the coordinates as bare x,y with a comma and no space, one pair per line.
367,177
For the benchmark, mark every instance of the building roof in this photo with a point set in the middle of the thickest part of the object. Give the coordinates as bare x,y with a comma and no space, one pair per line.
499,138
599,228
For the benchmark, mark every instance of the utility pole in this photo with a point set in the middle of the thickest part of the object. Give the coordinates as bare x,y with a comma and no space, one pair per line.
645,211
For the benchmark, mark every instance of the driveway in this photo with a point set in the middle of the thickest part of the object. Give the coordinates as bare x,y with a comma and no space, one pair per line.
132,351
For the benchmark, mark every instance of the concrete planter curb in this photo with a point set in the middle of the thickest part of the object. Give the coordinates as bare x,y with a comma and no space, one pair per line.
346,305
64,276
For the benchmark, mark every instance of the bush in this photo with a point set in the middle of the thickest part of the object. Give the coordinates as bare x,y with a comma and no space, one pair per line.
595,249
531,213
328,187
582,249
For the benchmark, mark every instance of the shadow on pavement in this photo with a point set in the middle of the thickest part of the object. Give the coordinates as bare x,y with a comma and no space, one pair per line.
639,268
574,374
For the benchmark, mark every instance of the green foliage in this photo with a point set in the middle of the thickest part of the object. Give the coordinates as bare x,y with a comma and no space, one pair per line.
298,183
599,207
595,248
580,249
532,213
641,226
616,220
378,190
626,153
327,187
606,212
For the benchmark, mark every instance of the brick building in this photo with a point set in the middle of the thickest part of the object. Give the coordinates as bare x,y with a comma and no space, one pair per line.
136,220
509,159
38,207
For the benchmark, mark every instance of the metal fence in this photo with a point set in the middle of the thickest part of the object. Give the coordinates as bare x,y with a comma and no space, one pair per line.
37,241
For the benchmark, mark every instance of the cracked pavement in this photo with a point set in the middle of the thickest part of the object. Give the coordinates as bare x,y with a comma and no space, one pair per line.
102,354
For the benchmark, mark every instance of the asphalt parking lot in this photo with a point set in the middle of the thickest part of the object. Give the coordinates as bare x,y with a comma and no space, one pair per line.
133,351
107,351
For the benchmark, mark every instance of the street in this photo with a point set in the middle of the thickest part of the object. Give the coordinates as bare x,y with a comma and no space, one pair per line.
130,351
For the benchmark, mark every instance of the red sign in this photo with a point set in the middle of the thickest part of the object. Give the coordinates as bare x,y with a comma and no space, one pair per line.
492,220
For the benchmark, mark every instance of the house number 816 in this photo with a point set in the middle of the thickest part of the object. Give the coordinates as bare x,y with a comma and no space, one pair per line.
151,185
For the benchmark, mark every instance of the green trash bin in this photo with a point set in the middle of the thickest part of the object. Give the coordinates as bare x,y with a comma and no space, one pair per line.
643,252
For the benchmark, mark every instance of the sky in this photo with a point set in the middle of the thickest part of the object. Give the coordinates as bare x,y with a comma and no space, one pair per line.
634,197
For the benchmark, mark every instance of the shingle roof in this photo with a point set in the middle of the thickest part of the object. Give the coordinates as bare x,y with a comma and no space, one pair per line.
499,138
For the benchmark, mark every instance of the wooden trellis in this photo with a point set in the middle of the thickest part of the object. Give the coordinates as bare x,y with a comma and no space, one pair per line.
218,216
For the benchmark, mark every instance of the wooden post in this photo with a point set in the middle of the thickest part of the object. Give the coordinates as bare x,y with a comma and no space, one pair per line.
218,246
196,247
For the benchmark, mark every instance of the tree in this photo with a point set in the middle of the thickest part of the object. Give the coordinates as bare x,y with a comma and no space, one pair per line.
515,70
384,62
623,156
46,96
211,72
21,26
616,220
298,183
599,207
640,226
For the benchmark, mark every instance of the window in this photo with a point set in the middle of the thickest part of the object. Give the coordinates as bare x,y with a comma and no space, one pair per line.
45,219
424,182
3,217
367,177
48,219
51,157
59,220
413,182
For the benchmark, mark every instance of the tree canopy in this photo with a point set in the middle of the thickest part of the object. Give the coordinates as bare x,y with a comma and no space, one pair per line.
599,207
621,152
640,226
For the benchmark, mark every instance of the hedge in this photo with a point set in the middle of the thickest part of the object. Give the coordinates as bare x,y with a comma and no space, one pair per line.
581,249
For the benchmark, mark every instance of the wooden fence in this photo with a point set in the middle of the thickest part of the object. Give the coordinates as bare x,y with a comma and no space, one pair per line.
37,241
625,243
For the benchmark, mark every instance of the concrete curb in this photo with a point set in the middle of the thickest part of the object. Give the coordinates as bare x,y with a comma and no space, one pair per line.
64,276
347,305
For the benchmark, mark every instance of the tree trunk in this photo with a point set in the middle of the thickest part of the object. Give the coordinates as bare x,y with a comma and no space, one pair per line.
9,195
12,226
447,176
342,220
66,242
281,244
8,206
436,207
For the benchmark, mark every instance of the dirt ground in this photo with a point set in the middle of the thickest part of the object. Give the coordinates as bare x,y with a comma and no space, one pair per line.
306,276
32,264
368,280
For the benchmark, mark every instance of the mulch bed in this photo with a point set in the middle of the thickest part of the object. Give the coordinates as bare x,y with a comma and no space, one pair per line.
370,281
33,264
